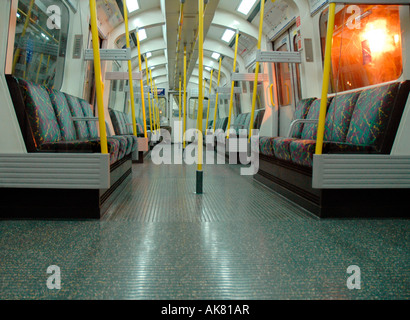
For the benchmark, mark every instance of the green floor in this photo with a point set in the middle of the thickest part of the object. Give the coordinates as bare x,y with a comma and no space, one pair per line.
238,240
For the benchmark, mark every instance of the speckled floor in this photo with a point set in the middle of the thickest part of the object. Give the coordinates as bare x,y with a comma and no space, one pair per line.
238,240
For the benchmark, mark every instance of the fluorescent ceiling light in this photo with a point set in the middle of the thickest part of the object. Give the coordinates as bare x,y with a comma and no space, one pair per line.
132,5
215,55
228,34
208,68
152,68
142,34
246,6
148,54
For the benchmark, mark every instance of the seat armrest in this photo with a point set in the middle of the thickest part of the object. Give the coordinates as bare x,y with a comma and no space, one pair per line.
295,122
84,118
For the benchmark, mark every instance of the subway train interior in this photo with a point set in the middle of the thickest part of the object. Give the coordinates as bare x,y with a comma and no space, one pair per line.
201,150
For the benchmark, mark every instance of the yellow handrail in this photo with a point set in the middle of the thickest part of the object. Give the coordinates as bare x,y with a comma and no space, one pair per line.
232,85
180,107
255,83
149,95
144,116
217,93
153,105
272,100
200,75
326,78
185,88
98,76
130,82
209,100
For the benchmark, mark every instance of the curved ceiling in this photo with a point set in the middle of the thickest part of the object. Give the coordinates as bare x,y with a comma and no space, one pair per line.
171,26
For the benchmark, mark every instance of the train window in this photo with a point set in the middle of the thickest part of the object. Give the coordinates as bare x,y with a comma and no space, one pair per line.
163,110
41,41
193,108
366,45
259,95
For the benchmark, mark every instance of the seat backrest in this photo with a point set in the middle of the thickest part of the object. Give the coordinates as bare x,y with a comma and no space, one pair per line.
301,111
77,111
63,114
339,115
88,112
42,118
118,122
371,115
259,114
309,130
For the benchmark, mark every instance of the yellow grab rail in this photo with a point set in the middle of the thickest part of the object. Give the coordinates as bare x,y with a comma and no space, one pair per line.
255,83
149,95
144,116
228,126
130,82
326,79
217,93
200,75
180,107
272,100
185,88
209,100
98,76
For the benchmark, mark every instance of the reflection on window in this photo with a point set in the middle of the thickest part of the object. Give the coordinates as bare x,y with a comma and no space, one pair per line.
40,41
366,45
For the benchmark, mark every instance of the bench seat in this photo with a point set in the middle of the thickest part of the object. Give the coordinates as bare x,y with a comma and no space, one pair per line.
358,122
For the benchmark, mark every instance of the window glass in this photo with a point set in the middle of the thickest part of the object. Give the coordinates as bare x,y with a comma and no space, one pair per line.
40,41
259,94
193,108
366,46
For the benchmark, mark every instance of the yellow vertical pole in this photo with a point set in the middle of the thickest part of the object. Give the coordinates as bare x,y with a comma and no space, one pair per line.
130,82
233,84
156,99
149,95
153,104
326,79
23,33
199,173
144,116
209,99
98,76
185,98
255,83
217,93
180,106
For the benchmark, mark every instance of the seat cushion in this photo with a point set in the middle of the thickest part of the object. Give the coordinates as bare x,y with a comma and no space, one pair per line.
302,151
281,148
371,114
266,146
42,118
124,147
92,146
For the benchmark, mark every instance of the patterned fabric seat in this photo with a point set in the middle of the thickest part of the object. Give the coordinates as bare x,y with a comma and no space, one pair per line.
123,129
87,130
281,146
301,111
336,126
51,124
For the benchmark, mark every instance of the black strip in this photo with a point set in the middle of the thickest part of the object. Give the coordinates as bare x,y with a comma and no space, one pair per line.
199,182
